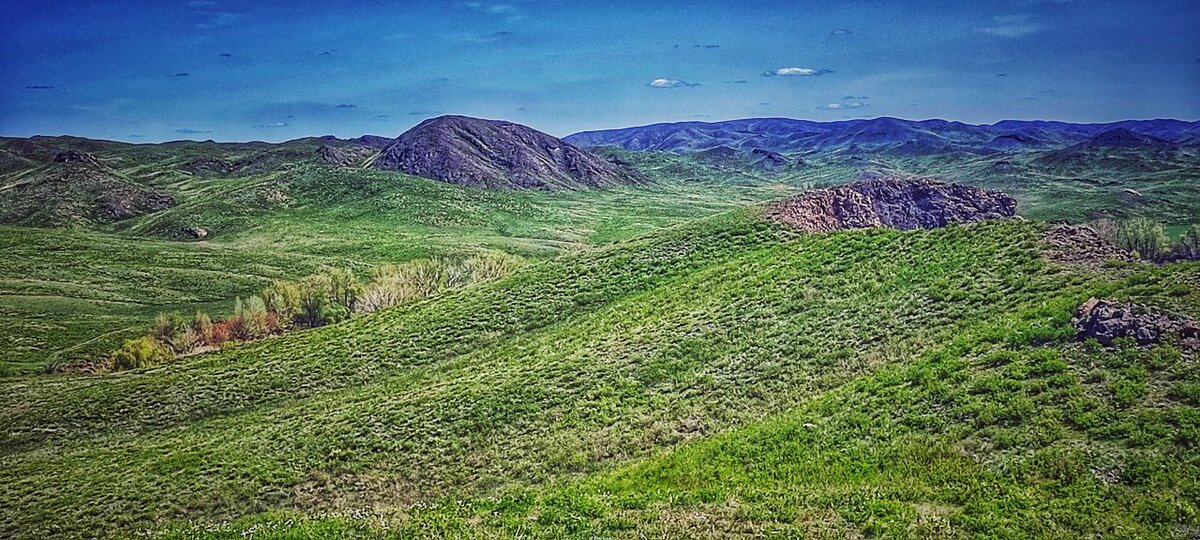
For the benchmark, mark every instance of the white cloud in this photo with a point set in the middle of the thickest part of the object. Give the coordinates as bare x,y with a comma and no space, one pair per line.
669,83
840,106
495,9
1012,26
795,72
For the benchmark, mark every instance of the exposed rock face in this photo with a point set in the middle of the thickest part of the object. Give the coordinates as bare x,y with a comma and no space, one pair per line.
196,232
1104,321
1081,245
74,156
344,156
898,204
496,154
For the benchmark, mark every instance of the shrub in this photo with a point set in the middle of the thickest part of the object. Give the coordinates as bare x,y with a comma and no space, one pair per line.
222,332
283,298
140,352
1188,246
203,326
250,319
1145,237
344,288
168,326
491,266
317,305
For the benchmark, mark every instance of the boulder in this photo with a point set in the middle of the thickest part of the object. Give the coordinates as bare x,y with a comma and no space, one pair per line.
1105,320
196,232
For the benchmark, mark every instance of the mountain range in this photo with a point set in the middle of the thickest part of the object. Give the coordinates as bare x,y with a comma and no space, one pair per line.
885,133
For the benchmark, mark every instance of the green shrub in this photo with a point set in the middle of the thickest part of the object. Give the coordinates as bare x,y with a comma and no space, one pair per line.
317,304
203,326
1188,246
283,299
141,352
1145,237
252,321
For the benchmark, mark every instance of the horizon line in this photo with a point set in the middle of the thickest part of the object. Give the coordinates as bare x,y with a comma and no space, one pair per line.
599,130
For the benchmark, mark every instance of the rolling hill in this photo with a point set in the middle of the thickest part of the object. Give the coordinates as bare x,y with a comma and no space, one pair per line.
726,377
495,154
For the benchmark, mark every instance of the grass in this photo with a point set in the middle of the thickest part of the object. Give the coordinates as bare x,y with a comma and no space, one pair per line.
273,212
719,378
73,294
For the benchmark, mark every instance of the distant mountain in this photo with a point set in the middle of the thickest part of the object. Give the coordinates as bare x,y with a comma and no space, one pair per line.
496,154
1125,138
893,135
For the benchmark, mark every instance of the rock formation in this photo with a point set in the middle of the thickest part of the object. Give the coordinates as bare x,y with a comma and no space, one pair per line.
893,203
1104,321
1081,245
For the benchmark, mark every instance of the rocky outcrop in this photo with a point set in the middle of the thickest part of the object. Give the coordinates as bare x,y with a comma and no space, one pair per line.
1104,321
495,154
75,156
197,233
1081,245
892,203
344,156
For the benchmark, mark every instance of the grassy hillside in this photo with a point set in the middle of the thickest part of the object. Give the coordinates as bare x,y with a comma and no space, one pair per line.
724,377
277,211
75,293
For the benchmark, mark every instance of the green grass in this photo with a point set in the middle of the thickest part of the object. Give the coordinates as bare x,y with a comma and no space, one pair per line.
660,385
75,294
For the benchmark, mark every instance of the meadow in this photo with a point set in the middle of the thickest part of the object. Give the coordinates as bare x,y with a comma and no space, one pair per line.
719,378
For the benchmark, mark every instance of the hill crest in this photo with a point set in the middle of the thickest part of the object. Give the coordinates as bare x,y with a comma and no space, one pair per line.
498,154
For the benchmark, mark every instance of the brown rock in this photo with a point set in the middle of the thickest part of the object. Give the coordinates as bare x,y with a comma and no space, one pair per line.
1105,320
893,203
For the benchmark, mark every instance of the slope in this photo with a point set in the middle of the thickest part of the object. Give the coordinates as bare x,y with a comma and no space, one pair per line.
526,399
499,155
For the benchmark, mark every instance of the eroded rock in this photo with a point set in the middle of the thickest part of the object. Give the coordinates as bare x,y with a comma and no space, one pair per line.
1105,320
893,203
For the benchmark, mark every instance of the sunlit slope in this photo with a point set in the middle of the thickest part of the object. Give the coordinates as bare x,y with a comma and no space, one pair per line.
544,387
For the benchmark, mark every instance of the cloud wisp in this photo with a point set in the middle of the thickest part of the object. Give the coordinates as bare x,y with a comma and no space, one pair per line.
1012,26
842,106
663,82
796,72
192,131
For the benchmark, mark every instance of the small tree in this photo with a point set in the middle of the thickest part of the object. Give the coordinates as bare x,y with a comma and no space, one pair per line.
139,353
283,299
1188,246
1145,237
317,305
203,327
251,318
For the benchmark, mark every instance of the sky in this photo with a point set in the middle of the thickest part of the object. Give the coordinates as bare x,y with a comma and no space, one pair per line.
271,70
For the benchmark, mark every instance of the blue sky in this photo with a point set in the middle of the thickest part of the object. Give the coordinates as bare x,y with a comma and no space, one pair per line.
267,70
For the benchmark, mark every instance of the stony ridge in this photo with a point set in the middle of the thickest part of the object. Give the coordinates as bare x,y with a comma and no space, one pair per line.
892,203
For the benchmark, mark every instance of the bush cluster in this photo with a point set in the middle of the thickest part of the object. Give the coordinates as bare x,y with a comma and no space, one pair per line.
329,296
1148,239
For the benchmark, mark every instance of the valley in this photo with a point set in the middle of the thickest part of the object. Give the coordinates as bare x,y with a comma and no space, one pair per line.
755,329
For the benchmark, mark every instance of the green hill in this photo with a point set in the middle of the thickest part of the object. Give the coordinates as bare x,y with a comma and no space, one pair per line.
721,378
119,252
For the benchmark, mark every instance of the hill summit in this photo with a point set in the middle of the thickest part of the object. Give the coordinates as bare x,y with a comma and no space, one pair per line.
497,154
